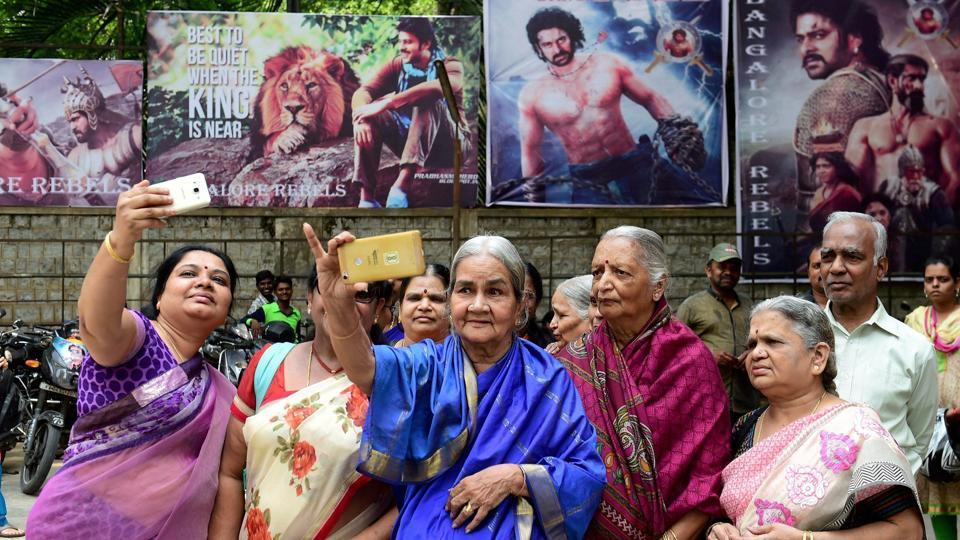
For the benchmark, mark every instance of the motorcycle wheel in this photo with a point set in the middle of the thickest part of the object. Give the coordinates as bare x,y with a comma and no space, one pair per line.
34,473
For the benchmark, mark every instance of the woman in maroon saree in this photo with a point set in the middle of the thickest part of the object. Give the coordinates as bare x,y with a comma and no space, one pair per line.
144,453
652,391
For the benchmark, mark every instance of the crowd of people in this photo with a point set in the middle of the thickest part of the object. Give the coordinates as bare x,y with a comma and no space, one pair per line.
781,420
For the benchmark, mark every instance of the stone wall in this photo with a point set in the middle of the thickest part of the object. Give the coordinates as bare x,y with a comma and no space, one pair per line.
45,252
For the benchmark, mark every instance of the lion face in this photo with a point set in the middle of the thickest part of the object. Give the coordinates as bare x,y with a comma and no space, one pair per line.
306,96
305,92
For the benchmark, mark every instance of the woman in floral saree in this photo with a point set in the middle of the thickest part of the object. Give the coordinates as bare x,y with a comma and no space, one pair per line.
484,433
810,465
296,427
144,451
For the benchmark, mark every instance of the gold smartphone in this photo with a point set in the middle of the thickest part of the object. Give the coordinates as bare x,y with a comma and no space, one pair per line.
389,256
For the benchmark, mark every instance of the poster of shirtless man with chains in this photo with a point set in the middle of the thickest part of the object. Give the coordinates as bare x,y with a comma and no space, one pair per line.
602,103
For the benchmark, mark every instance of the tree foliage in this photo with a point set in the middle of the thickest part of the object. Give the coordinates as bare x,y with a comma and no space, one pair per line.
116,29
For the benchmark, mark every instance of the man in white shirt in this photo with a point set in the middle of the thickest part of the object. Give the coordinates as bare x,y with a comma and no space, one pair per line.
880,360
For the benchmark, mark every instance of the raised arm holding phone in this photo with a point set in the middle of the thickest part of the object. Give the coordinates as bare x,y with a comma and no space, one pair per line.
149,407
444,399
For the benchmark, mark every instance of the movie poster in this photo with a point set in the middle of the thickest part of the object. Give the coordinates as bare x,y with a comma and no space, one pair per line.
847,106
306,110
69,131
605,103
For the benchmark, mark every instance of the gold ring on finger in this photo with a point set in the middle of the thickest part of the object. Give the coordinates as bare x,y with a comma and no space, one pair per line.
468,508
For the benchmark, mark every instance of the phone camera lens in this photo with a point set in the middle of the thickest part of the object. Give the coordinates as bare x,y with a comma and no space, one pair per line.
196,190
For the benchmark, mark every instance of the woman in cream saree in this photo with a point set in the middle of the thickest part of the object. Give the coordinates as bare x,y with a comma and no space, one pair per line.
295,435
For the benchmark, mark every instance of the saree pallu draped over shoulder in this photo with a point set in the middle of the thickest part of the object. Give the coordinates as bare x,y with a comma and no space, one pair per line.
812,472
433,421
662,421
301,464
144,466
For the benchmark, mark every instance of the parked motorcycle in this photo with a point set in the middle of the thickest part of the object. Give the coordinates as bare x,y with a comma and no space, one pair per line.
230,349
55,409
18,387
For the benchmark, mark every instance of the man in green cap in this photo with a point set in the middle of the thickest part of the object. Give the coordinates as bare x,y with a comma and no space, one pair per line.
721,318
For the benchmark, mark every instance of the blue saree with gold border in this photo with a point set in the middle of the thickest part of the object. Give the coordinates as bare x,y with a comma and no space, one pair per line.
433,421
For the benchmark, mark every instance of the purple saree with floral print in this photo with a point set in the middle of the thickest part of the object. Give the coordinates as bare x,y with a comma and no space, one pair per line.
144,453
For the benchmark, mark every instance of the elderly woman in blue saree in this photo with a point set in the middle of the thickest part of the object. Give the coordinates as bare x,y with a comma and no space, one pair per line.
144,452
483,433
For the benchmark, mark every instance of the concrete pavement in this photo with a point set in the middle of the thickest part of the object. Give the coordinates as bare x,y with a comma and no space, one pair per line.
18,504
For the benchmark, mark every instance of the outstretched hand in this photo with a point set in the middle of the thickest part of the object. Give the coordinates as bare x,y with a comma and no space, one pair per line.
22,119
137,210
330,282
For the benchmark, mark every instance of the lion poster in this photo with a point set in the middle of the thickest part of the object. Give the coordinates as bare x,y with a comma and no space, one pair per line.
600,103
309,110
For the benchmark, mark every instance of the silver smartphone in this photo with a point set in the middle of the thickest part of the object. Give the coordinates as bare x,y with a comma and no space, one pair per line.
189,193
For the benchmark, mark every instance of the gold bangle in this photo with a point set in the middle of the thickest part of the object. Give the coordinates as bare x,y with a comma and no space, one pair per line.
669,535
113,254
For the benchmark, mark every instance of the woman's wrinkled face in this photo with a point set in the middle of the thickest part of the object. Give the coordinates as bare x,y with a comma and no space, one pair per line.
423,309
622,286
566,325
778,363
198,287
484,306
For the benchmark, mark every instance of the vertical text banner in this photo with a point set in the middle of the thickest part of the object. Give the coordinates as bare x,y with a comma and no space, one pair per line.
847,107
69,131
600,103
267,106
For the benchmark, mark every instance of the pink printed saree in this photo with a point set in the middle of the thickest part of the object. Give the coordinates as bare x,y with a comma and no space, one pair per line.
811,473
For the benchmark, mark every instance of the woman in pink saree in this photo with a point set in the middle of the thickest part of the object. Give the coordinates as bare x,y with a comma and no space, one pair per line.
143,454
810,465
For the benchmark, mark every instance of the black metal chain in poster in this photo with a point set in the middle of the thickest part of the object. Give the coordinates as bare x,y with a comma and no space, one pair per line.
605,103
847,106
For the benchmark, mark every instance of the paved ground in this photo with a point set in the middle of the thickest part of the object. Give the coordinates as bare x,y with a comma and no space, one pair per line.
18,504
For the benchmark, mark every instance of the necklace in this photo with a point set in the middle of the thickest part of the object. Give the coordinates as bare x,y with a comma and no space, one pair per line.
172,343
314,355
897,131
759,429
572,73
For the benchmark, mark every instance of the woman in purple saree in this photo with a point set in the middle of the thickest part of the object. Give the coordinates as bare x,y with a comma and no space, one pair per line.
144,453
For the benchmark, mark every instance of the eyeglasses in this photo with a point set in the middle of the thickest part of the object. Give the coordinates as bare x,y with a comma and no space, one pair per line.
360,297
363,297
